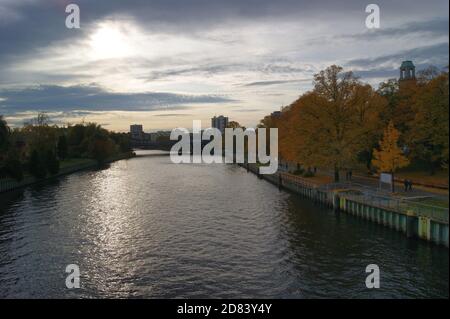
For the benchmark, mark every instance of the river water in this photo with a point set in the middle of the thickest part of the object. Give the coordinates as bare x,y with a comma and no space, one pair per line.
147,228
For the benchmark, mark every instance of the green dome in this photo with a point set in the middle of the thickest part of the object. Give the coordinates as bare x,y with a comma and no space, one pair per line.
407,64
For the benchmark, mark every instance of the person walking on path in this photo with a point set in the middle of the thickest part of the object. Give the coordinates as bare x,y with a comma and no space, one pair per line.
406,183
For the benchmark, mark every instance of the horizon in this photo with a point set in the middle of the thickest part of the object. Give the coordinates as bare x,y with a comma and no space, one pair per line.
31,116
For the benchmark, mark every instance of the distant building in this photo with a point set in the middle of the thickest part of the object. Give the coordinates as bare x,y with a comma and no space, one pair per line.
137,131
153,137
407,71
160,135
219,122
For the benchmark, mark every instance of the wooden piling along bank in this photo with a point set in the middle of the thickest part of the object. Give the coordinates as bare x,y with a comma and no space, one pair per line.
414,220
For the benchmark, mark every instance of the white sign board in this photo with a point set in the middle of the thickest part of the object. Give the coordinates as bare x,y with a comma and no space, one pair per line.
386,178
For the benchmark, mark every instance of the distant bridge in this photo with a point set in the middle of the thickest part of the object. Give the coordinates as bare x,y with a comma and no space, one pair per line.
165,145
155,154
152,145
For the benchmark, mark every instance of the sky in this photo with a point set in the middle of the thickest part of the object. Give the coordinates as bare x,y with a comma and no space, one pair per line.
164,63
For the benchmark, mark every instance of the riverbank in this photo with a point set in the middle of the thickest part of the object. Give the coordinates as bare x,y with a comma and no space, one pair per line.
67,167
414,219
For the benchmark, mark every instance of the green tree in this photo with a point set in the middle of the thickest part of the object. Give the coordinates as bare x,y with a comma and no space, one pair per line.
36,165
4,135
389,90
429,135
52,163
122,140
40,135
13,166
102,148
63,147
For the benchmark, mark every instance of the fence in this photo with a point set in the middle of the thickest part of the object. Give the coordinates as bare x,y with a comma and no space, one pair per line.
369,196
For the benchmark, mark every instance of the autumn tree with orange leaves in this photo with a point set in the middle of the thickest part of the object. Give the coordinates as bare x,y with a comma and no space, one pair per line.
329,126
428,137
389,157
338,124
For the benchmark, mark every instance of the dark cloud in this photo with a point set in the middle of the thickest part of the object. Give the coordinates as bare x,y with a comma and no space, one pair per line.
215,69
434,54
430,28
205,70
249,110
383,73
40,23
389,73
93,98
172,115
276,68
267,83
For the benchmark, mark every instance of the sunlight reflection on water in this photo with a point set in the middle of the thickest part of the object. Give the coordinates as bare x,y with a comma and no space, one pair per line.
148,228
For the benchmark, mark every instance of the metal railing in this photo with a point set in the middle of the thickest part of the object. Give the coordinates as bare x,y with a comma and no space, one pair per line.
370,196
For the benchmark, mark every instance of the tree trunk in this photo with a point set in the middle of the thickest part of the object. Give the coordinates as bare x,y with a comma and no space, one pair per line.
432,168
336,174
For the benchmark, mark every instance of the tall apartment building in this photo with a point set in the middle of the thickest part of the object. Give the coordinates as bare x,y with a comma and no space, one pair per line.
219,122
137,131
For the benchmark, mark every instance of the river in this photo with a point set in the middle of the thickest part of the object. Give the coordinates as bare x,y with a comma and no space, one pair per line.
147,228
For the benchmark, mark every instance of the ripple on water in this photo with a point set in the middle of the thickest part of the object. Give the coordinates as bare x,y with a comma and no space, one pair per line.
148,228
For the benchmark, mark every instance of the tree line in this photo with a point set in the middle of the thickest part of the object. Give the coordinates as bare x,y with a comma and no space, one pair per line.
38,147
343,123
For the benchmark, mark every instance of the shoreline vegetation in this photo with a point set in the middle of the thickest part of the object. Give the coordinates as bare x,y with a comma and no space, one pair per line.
67,167
39,151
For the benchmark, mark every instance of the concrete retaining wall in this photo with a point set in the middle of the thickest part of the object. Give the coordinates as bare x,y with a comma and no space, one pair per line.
407,222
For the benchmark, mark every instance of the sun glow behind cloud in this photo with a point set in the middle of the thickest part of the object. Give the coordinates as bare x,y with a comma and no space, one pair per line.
109,41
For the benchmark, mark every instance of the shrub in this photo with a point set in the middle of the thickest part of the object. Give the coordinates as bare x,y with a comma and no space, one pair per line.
14,169
52,163
36,165
308,173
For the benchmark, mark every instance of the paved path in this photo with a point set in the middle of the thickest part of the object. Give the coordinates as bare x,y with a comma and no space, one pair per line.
366,183
399,188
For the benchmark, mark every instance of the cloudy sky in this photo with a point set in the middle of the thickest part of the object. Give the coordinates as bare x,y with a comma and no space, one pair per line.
163,63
